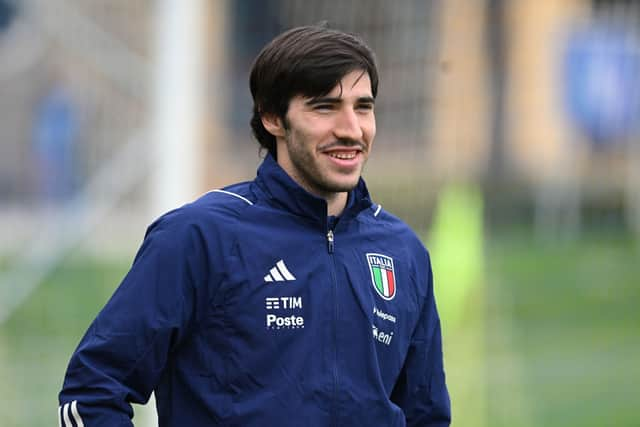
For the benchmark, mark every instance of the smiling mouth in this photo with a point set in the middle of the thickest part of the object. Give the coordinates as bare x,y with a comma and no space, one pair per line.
343,155
344,152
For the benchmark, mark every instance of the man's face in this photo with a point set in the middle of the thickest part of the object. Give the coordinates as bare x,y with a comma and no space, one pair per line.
326,140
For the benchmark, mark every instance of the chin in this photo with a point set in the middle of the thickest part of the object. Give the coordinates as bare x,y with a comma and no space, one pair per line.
342,186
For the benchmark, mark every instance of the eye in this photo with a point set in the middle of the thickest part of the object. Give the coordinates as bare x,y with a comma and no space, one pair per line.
367,106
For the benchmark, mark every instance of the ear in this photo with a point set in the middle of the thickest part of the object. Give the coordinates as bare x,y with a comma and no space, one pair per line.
273,124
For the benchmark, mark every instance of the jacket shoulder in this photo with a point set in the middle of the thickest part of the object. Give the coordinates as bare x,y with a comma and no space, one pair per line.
232,199
377,216
220,206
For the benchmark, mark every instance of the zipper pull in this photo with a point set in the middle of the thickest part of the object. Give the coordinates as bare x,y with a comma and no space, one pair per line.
330,241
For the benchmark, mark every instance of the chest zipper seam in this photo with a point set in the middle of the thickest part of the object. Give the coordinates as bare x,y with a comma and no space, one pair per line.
334,291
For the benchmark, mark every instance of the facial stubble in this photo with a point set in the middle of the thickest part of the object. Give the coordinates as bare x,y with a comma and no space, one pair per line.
307,169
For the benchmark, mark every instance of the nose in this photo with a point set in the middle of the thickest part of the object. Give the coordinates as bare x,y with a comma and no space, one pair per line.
348,125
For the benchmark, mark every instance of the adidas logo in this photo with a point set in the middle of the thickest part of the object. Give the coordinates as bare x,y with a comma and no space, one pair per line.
279,273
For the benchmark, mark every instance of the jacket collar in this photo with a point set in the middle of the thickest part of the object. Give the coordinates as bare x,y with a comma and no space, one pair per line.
284,192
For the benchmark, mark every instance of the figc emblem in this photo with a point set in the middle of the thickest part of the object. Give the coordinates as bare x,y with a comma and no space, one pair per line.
382,275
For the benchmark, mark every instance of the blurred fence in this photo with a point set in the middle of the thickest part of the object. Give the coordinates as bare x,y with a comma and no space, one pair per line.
535,99
532,105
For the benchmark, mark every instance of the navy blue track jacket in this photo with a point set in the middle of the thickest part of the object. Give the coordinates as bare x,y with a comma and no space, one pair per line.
250,307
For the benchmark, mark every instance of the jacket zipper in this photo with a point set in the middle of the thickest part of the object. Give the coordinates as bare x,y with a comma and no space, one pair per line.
334,292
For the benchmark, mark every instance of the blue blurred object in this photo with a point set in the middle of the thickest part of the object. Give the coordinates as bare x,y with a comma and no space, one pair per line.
7,13
601,73
56,129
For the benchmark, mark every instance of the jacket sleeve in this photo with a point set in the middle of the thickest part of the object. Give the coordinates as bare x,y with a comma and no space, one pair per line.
122,355
421,390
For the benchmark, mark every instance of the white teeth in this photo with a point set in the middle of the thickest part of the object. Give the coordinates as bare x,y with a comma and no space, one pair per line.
343,156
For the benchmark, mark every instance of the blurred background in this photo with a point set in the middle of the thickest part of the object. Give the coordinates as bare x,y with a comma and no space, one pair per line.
508,137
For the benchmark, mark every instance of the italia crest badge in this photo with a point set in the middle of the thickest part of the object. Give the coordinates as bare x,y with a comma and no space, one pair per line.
383,275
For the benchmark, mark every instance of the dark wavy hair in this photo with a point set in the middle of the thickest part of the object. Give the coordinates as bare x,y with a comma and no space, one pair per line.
308,61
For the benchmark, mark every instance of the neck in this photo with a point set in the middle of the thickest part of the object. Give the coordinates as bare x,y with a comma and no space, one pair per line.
336,202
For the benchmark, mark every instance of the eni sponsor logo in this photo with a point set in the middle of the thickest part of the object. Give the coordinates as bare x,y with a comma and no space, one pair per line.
384,316
380,336
282,313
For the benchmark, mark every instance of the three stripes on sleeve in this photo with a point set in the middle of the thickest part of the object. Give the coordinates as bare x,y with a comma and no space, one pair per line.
67,412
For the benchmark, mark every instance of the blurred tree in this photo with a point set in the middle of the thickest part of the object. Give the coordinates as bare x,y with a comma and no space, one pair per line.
495,183
597,4
496,46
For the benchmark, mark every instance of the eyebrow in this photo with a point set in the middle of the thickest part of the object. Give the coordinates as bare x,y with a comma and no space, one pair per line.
337,100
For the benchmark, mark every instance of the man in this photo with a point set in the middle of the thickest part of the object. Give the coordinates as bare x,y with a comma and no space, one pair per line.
286,301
